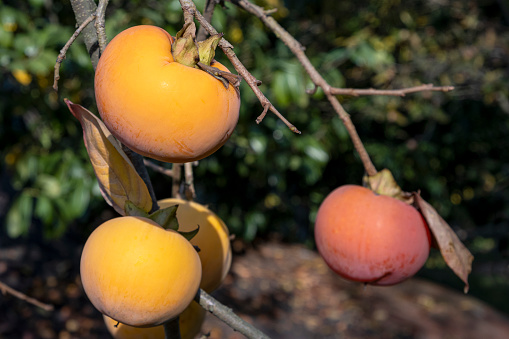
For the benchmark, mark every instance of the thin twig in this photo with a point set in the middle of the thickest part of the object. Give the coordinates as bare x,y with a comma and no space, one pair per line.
390,92
63,51
166,171
6,289
100,25
189,190
208,11
189,7
175,183
298,50
226,315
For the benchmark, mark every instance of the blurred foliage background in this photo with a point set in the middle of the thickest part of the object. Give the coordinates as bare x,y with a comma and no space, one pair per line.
266,181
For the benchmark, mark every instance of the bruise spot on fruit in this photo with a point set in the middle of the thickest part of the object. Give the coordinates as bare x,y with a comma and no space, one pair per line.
182,147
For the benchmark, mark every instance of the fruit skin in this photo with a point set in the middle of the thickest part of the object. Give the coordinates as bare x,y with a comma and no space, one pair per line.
213,239
158,107
190,322
371,238
138,273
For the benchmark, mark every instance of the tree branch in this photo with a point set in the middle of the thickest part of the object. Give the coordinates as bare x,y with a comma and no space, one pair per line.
391,92
160,169
6,289
226,315
82,10
298,50
63,51
189,7
175,183
100,25
208,11
189,190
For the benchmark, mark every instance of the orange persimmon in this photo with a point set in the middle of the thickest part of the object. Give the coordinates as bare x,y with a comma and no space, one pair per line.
371,238
158,107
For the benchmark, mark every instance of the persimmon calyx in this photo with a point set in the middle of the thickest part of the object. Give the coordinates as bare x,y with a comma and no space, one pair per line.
384,183
207,48
188,52
226,78
184,49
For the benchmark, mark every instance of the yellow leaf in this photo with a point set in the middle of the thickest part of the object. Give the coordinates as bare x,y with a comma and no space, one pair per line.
118,180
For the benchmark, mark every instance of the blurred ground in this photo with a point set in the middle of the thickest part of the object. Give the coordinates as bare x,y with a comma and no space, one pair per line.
285,290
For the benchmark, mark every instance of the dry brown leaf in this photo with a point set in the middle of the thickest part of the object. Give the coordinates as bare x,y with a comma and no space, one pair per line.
118,179
455,254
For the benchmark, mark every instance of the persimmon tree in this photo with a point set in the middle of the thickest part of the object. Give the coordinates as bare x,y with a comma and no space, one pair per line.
123,177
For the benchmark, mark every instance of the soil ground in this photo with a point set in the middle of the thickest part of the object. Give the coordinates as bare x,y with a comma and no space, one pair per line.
287,291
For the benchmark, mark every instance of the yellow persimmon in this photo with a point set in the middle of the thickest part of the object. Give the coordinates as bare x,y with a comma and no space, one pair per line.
213,240
138,273
190,322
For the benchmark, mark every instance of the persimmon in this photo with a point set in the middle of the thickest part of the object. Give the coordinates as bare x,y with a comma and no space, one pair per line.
371,238
158,107
138,273
190,322
213,240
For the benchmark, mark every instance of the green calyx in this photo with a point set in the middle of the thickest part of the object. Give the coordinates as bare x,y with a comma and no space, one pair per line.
188,52
207,48
383,183
165,217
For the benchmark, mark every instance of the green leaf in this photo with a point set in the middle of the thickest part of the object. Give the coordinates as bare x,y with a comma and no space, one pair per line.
166,217
79,199
131,209
44,209
191,234
19,216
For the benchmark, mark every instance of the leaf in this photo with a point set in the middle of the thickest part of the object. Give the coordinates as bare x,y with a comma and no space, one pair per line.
117,177
191,234
166,217
383,183
455,254
134,211
19,216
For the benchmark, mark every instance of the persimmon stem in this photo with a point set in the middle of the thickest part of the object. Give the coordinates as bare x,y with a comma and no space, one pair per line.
172,329
175,182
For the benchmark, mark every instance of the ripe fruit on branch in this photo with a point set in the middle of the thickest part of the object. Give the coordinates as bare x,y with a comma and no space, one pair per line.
138,273
212,240
371,238
161,108
190,322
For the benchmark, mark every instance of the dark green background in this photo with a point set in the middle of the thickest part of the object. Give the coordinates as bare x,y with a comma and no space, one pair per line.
267,181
